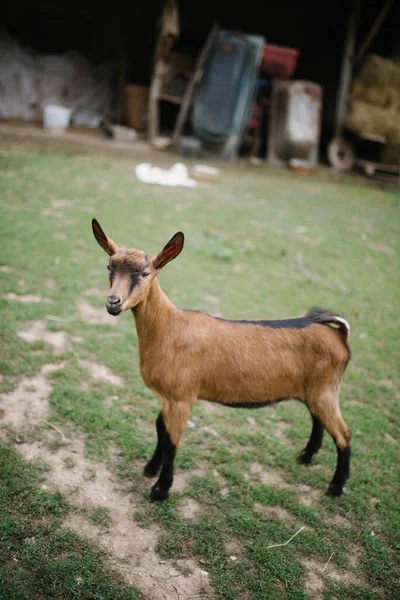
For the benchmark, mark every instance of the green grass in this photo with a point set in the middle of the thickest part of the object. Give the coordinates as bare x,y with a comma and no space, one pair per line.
101,517
243,236
39,558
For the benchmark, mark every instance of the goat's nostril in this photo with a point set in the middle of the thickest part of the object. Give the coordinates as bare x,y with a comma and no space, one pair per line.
113,300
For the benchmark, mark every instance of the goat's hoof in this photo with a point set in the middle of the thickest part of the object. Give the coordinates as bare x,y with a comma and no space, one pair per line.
334,489
151,469
304,458
158,494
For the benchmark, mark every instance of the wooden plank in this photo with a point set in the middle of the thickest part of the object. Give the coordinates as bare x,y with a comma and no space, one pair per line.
371,167
191,86
372,137
173,99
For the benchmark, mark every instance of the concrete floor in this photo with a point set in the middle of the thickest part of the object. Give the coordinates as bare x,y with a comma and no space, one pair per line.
96,141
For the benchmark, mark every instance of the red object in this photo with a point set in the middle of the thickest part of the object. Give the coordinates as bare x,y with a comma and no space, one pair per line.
255,117
279,61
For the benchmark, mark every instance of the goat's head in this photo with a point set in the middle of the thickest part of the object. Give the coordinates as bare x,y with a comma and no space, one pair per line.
131,272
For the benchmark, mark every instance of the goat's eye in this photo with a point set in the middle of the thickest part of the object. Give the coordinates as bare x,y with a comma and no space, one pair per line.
144,275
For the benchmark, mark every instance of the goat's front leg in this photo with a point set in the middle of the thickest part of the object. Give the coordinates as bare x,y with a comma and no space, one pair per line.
175,415
154,465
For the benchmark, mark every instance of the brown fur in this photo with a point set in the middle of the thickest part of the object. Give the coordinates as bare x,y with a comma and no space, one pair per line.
186,355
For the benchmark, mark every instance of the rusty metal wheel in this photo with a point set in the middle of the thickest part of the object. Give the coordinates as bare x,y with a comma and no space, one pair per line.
340,154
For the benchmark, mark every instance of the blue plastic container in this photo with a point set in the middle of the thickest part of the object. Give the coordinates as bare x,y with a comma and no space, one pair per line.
227,91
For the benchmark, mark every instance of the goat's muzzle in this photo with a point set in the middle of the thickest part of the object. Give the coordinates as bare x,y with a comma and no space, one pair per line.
114,305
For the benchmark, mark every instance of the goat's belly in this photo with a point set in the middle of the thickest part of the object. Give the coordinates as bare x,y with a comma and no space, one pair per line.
250,392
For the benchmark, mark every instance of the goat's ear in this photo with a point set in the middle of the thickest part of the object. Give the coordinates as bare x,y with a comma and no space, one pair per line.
104,241
170,251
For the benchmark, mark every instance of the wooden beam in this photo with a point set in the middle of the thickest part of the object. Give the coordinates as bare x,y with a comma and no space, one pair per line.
346,70
369,38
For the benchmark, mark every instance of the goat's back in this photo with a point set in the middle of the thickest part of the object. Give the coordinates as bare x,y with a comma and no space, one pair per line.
246,362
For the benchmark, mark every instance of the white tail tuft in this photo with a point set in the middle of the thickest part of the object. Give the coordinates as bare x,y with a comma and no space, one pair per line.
345,323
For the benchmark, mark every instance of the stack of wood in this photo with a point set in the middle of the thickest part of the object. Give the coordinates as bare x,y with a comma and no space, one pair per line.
374,106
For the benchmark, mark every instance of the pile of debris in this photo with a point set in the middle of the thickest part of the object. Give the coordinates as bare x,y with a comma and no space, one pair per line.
30,81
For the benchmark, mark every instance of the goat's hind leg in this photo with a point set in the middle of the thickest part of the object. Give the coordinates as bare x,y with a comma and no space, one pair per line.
327,410
342,472
314,443
154,464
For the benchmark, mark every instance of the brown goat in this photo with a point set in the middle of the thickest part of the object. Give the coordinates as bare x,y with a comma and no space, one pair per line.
186,355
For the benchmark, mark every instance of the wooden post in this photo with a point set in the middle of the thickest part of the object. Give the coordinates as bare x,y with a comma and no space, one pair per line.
154,96
346,68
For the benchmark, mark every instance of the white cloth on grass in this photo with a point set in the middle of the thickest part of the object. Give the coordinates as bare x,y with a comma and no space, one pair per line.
177,175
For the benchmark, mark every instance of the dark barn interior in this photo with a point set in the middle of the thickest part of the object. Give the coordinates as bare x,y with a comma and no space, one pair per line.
104,32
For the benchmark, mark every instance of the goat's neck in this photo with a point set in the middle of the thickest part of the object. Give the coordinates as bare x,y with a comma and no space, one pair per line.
153,315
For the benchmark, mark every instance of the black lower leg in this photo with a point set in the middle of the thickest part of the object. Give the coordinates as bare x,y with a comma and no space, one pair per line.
153,466
314,443
159,491
342,472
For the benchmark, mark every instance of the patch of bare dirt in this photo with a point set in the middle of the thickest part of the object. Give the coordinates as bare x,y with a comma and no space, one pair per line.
308,496
234,549
68,223
28,298
222,481
278,513
110,401
267,477
387,383
338,520
35,331
6,269
355,555
309,240
212,299
182,479
315,576
190,509
210,431
361,223
60,203
95,316
280,429
102,372
28,404
314,581
211,408
95,292
51,284
60,235
130,549
382,248
253,425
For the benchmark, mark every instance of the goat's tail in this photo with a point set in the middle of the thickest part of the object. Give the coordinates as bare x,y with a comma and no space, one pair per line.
325,317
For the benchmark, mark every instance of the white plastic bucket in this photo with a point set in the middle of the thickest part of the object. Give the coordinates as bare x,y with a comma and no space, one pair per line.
56,116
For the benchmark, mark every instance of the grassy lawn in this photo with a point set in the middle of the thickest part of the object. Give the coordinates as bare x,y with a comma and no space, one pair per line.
77,422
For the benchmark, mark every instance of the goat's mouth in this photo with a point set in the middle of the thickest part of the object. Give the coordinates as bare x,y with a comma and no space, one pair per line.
113,310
